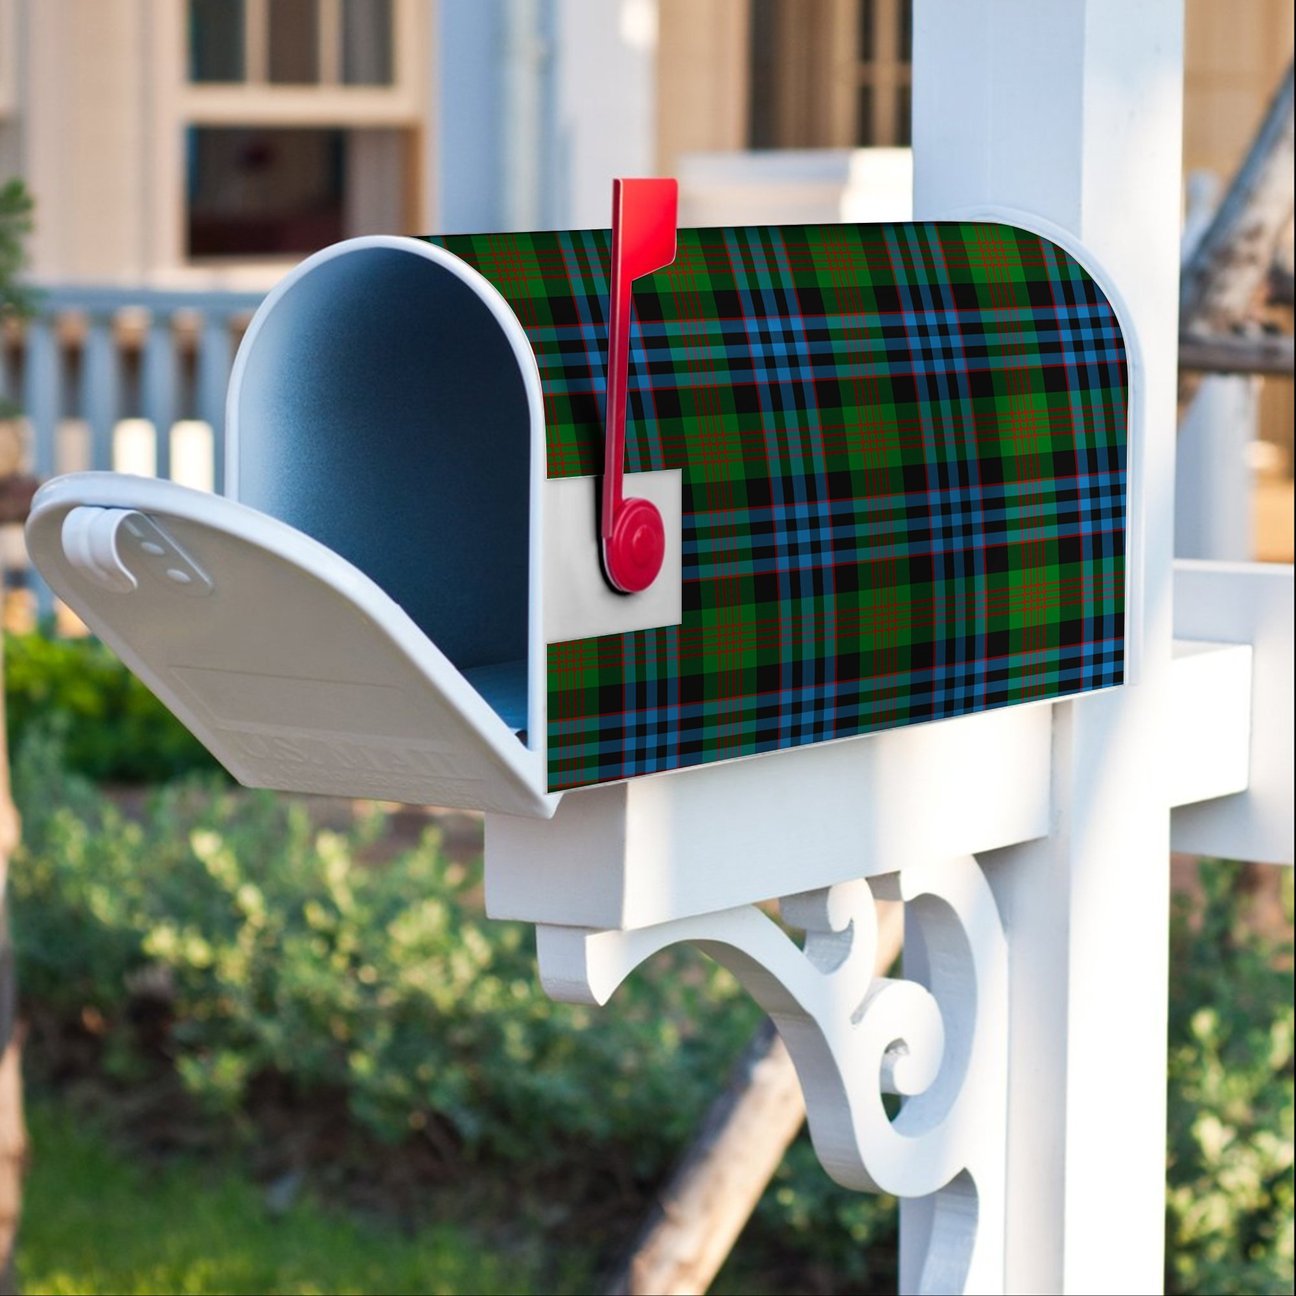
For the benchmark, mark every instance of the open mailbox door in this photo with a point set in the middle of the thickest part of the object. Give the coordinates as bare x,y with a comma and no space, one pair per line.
365,619
293,667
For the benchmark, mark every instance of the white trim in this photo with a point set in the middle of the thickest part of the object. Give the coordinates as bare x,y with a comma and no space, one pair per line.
256,43
167,201
324,106
1212,685
330,42
1249,606
580,603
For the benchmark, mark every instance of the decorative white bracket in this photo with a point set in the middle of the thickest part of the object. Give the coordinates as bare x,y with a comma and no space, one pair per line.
936,1037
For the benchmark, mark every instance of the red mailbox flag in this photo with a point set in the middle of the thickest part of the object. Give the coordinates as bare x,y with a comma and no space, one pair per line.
644,214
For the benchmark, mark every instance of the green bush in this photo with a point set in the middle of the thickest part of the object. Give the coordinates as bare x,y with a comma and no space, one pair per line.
281,953
847,1240
1230,1200
113,728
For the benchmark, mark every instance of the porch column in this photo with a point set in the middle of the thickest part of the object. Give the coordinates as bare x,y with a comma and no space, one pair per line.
1071,114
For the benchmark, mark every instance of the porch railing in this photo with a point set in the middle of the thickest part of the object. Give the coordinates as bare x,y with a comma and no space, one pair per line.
125,379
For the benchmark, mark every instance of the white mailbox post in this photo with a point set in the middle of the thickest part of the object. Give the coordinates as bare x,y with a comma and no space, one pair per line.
1029,843
1032,846
1073,112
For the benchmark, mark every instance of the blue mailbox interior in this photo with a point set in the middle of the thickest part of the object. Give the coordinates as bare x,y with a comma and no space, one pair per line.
382,411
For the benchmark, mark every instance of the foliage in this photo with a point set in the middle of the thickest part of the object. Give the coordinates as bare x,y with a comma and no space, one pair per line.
283,954
112,727
94,1221
1230,1197
15,224
848,1239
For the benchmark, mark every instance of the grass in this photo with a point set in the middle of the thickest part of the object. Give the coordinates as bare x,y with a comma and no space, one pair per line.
96,1221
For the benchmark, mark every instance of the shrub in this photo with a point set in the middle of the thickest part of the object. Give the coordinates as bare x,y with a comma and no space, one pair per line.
112,727
283,954
1229,1200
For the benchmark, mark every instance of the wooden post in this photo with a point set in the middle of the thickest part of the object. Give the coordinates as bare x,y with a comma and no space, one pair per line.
1072,113
1232,261
700,1211
1250,353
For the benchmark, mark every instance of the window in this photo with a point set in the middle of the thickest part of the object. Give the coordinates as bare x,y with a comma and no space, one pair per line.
258,192
884,70
830,73
296,123
216,48
291,42
366,42
293,53
264,192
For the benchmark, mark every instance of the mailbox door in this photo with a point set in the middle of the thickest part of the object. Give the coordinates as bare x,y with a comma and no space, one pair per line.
286,661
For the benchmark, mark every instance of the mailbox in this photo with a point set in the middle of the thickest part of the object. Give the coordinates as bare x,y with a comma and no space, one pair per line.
880,473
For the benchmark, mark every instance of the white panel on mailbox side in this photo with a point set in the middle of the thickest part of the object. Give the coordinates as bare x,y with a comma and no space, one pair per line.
287,662
1243,603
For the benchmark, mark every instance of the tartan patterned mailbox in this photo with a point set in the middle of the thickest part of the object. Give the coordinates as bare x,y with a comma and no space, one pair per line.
903,457
891,460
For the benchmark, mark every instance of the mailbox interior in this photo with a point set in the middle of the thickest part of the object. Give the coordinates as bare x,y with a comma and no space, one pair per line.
385,403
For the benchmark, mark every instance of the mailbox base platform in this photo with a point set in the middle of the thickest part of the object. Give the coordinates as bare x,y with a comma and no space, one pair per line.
679,845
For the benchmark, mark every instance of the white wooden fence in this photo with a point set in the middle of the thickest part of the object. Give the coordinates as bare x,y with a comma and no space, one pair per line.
133,379
126,379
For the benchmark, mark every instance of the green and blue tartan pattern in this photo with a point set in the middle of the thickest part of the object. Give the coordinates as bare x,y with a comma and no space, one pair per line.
904,455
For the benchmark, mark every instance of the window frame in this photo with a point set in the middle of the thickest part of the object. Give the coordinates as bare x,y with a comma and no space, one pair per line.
255,100
816,94
886,72
180,104
8,57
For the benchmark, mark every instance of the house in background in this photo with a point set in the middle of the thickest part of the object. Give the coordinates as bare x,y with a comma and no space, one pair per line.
203,146
212,142
209,143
